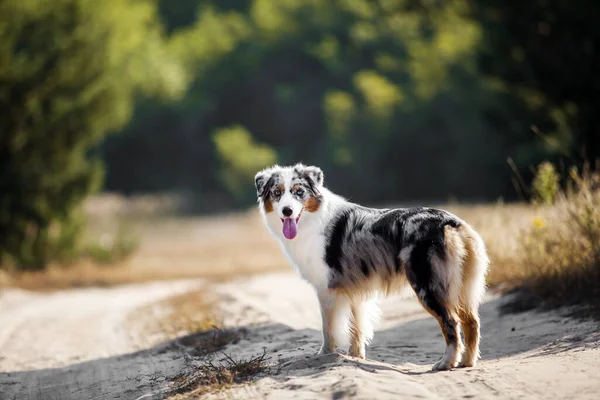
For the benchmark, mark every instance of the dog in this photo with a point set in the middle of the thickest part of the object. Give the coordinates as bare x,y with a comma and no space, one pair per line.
352,254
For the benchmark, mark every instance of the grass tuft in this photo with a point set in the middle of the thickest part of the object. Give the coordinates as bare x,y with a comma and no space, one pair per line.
212,376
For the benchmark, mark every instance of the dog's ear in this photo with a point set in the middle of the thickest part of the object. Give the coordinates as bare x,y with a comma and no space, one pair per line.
315,174
260,181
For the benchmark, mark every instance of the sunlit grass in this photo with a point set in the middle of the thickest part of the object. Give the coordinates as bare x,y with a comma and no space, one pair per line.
170,247
551,250
502,227
560,254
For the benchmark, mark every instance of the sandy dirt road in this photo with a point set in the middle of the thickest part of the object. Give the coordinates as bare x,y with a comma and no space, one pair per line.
74,345
525,356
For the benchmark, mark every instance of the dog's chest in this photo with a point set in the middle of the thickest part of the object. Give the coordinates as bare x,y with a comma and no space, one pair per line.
307,252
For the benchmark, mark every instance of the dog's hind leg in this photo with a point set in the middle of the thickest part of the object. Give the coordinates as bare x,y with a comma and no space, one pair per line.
471,326
448,321
335,318
475,266
434,282
364,313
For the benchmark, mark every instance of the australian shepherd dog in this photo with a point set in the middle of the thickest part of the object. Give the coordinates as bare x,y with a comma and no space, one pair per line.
352,254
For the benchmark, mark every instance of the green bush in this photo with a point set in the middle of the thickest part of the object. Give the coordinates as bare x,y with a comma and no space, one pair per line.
69,73
545,185
241,158
112,247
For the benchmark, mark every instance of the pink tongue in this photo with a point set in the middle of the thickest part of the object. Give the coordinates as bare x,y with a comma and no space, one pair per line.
289,228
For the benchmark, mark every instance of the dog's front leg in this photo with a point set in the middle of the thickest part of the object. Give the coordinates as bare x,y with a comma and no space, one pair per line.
332,306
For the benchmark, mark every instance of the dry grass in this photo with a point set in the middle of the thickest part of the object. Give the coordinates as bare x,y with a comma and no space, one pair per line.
542,248
191,321
560,254
218,375
225,246
194,315
179,316
221,247
551,253
502,227
233,245
93,275
215,248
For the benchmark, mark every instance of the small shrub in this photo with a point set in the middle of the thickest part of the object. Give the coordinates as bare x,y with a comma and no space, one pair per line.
561,252
111,248
545,185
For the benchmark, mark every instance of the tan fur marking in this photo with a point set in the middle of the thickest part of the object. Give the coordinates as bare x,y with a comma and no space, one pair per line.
364,288
312,204
357,346
474,270
437,318
330,316
268,205
470,326
454,243
451,269
267,202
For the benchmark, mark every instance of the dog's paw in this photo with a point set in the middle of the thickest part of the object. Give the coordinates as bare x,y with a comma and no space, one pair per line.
442,365
357,351
466,364
324,350
360,355
467,360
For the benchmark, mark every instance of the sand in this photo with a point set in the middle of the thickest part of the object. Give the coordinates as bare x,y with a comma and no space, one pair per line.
75,344
526,355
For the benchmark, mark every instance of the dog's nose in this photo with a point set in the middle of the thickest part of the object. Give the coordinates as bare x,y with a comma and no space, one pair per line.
287,211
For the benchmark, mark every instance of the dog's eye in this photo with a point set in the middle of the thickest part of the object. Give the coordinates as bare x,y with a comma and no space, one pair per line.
299,192
277,192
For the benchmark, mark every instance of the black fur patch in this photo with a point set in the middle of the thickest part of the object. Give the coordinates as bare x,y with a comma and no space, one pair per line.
364,268
420,269
266,190
390,227
273,181
419,272
448,323
333,249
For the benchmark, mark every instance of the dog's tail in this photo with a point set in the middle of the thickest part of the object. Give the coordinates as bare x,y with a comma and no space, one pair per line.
474,269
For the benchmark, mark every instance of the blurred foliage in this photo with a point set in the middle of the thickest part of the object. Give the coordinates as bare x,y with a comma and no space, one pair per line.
546,53
384,95
69,74
241,158
545,184
560,255
111,247
397,100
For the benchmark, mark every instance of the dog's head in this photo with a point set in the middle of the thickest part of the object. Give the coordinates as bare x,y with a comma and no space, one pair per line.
289,192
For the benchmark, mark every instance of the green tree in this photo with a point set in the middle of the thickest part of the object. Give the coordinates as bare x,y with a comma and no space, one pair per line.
364,88
69,73
241,158
547,55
